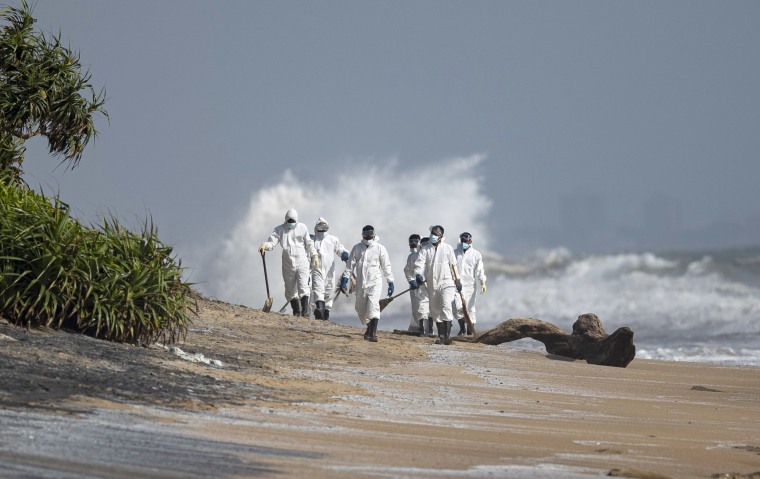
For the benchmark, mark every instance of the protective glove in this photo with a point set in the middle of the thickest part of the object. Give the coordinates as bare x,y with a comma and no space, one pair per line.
344,284
482,287
419,279
315,261
413,284
458,284
344,256
390,288
264,247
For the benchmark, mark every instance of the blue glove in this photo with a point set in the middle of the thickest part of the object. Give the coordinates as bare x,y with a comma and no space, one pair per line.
390,289
344,284
413,284
458,284
344,256
419,279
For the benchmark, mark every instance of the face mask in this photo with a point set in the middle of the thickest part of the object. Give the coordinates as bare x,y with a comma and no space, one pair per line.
321,235
412,250
434,239
368,242
465,246
290,225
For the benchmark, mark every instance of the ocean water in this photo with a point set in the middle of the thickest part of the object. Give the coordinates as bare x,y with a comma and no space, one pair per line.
683,306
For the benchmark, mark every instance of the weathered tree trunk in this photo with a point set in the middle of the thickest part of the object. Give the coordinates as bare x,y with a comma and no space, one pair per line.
588,340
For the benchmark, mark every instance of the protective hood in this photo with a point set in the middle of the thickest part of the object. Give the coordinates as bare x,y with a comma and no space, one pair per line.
437,227
291,214
322,225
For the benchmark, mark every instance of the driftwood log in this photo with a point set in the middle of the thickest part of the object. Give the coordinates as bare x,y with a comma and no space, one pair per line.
588,340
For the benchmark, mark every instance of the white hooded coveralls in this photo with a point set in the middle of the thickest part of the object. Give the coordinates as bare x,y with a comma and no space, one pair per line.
470,268
434,264
368,264
323,278
297,250
419,296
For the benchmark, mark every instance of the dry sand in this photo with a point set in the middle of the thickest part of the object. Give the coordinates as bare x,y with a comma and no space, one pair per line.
272,395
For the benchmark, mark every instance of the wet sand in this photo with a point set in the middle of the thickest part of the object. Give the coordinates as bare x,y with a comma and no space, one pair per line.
291,397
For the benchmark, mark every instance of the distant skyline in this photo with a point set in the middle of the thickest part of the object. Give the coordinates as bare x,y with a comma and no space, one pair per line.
605,126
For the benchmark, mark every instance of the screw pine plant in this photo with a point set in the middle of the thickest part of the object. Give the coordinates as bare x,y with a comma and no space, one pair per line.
108,282
43,91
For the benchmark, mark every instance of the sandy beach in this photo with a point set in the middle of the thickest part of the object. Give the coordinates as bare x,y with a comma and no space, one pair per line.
253,394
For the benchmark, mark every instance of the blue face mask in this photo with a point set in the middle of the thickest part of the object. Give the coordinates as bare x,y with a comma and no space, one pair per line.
412,250
321,235
290,225
465,245
434,239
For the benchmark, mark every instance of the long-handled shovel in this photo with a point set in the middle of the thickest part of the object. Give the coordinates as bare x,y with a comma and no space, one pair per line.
464,304
268,303
386,301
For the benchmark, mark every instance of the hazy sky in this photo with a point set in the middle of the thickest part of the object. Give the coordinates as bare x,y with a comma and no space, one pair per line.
606,125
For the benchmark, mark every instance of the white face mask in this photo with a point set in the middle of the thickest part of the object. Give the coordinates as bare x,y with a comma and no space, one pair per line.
412,250
368,242
290,225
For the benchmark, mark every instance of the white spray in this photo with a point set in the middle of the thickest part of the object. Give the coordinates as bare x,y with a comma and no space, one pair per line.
396,201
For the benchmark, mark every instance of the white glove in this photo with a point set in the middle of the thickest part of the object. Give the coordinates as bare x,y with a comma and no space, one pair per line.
482,287
315,261
265,246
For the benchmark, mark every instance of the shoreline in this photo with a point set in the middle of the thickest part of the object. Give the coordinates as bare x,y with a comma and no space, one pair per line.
298,397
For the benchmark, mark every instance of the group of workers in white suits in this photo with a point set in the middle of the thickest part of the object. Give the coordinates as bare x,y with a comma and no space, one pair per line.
442,279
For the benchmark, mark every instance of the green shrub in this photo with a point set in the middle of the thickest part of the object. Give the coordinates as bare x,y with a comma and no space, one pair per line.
108,282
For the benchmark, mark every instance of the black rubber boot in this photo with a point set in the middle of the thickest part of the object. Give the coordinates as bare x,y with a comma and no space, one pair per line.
296,307
305,306
368,332
327,315
373,329
461,327
319,310
422,328
447,333
430,333
441,328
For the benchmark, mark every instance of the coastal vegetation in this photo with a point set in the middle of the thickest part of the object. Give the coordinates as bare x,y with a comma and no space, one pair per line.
106,280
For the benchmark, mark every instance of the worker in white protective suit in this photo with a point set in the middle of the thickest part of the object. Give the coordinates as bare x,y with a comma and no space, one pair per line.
323,277
297,248
434,267
368,263
470,268
418,296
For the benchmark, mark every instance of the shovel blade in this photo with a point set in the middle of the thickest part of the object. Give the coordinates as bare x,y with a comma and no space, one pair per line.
267,305
470,325
385,302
